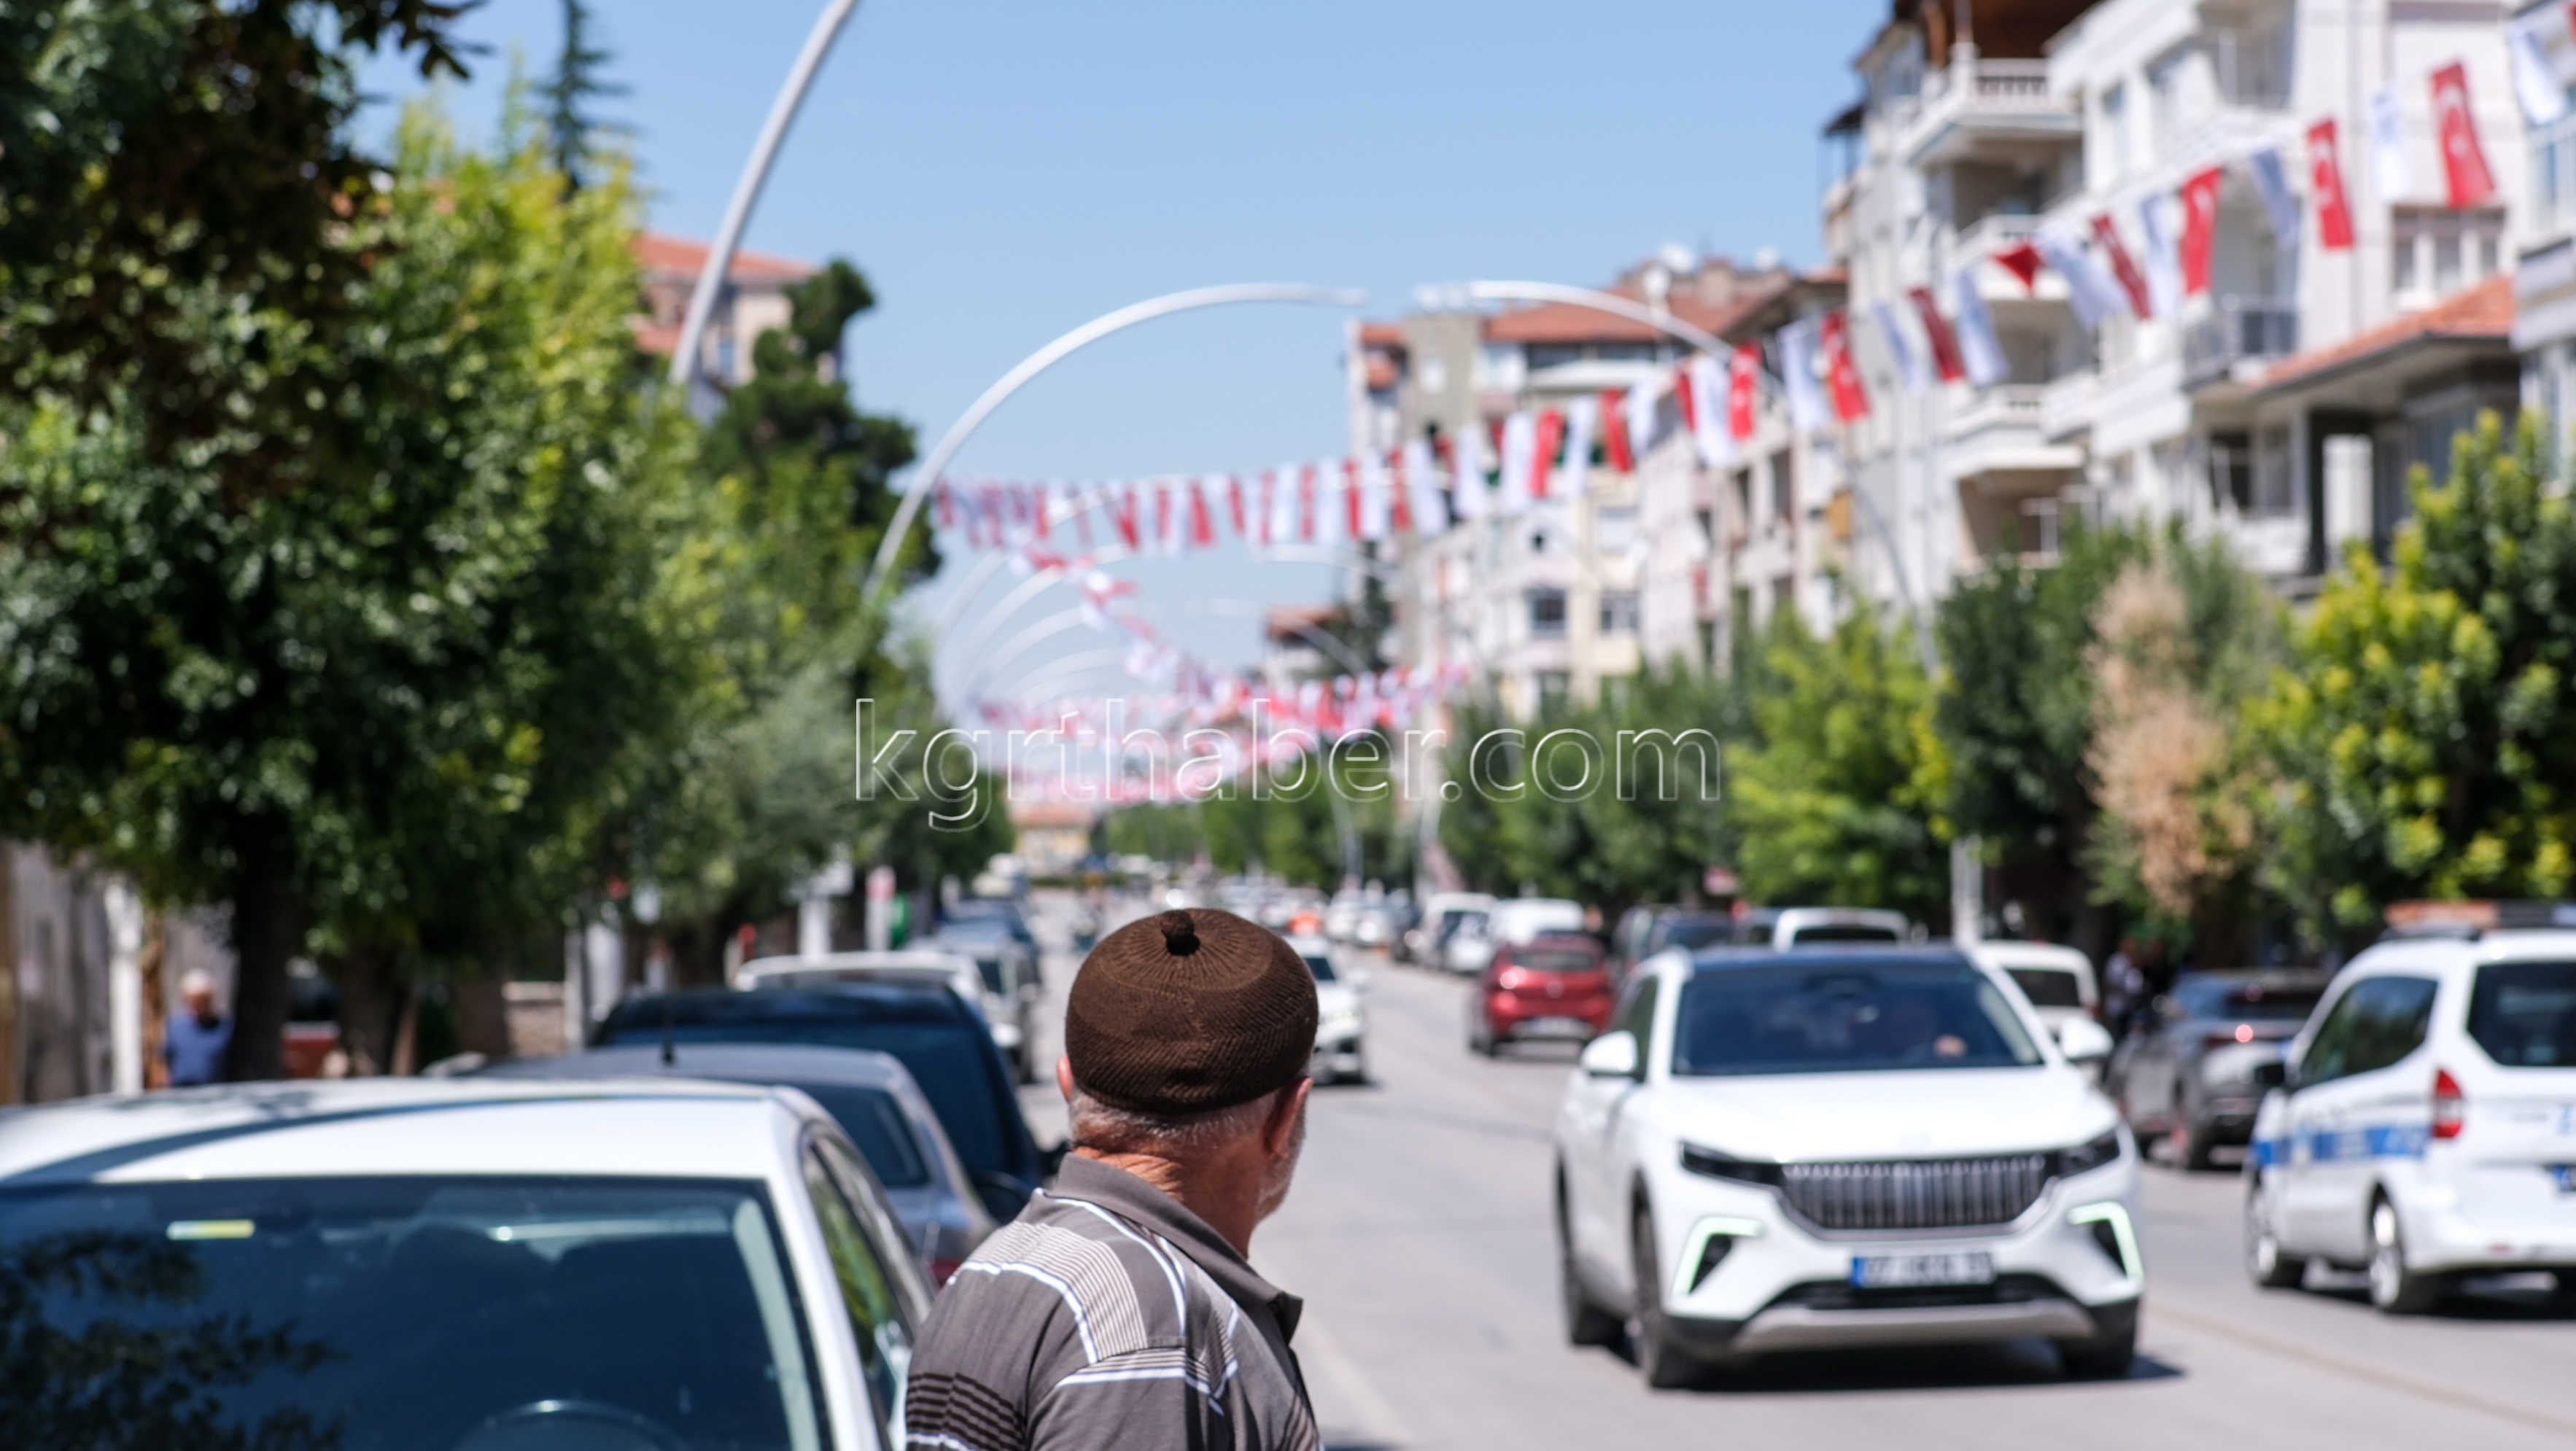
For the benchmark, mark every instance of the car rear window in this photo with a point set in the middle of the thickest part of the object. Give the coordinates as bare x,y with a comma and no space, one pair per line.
2249,1002
1692,933
2524,1013
876,1123
2048,987
1851,932
1320,965
1557,959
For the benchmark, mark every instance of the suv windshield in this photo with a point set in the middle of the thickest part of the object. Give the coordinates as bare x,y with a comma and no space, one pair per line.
2524,1013
1845,1017
407,1314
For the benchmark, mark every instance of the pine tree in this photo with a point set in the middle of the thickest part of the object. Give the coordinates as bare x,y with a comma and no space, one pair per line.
570,123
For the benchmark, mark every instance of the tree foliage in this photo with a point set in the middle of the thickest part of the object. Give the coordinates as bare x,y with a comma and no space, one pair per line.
2422,730
1841,798
578,83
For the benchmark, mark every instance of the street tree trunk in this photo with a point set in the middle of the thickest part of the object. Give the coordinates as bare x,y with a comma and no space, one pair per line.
371,1010
266,931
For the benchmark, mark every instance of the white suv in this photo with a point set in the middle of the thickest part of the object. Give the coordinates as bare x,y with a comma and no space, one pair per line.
1853,1146
2425,1122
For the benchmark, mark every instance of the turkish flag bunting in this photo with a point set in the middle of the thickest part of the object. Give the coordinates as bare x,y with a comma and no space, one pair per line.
1306,504
1124,515
1234,502
1682,396
2464,164
2325,182
1851,403
947,500
1743,383
1202,518
2199,228
1937,335
1551,435
2022,260
1399,502
1616,446
2124,267
1351,498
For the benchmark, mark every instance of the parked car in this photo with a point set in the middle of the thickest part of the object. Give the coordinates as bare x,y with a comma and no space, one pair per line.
1807,1148
2057,979
2423,1125
1554,986
938,1037
2190,1075
870,1095
1423,942
1468,944
1341,1032
469,1265
989,969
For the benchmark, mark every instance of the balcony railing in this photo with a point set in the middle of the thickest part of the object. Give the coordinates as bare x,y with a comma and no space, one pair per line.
2005,405
2005,85
2238,330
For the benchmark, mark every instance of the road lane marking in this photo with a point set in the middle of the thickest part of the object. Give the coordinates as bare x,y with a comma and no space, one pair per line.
2363,1371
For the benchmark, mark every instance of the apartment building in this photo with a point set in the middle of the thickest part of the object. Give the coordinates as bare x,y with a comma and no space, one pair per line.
753,300
2279,409
1553,602
2544,300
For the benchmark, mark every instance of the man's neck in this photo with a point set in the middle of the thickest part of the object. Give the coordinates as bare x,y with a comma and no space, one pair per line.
1229,1207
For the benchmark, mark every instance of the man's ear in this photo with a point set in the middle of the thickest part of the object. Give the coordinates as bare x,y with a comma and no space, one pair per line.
1285,1110
1064,1076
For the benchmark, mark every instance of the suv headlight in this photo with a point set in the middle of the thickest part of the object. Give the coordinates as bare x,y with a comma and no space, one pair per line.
1712,1164
2104,1150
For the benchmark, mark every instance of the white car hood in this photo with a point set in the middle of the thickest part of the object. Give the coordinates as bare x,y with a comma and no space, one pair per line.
1926,1113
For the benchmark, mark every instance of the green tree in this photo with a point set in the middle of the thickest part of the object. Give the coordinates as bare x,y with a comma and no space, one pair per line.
2423,728
572,126
1842,797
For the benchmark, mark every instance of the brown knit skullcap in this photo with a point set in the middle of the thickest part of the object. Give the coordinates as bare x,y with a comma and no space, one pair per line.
1186,1012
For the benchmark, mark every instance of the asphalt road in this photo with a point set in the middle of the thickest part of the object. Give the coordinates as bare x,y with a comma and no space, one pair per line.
1419,1234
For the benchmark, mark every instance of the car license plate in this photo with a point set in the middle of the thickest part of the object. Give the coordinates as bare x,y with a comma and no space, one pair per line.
1902,1272
1557,1028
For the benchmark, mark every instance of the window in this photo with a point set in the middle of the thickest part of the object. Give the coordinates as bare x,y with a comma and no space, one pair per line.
1619,612
2446,262
1784,487
2231,470
2376,1024
2401,261
1547,614
867,1296
2273,493
2435,252
1637,1014
1744,498
2115,133
1851,1016
1614,530
2524,1013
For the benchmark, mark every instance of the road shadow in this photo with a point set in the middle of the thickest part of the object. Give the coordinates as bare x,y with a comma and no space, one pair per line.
2503,1299
1909,1368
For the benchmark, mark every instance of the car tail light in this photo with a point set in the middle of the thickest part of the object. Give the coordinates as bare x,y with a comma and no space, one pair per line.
1512,979
941,1269
2450,1106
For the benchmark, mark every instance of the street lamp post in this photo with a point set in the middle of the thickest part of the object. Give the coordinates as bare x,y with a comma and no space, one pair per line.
881,571
746,187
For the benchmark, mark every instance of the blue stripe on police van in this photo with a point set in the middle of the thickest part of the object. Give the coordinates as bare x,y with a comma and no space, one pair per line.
2378,1141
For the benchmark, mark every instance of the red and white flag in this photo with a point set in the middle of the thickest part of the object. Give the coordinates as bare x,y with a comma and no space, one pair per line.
1615,449
1422,481
1399,494
1639,410
1352,504
1202,513
1937,337
1306,504
1842,375
2325,184
1519,452
2022,260
1167,519
2123,266
1234,505
1702,384
1582,420
1543,446
1743,390
945,499
2199,228
2464,162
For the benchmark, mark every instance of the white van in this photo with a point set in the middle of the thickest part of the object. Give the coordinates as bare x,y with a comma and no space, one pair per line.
2057,979
2424,1122
1518,919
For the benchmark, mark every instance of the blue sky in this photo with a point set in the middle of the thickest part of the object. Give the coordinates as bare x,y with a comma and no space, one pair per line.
1004,171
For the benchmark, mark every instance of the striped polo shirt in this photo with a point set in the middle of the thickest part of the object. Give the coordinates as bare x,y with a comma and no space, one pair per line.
1108,1315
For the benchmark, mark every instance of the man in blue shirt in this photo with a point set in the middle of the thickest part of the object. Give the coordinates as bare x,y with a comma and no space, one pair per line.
194,1044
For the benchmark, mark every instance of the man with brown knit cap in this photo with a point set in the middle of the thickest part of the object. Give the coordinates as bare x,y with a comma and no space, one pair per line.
1118,1310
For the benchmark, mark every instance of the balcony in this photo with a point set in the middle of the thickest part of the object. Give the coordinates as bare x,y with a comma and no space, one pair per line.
1999,432
2066,406
1974,102
2239,332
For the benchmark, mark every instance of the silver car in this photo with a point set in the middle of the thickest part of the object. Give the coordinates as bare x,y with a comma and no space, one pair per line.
870,1095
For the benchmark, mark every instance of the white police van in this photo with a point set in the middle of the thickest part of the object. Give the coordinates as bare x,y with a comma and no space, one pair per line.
2424,1122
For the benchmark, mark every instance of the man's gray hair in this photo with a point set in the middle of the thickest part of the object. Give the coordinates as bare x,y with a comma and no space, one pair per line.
1097,1125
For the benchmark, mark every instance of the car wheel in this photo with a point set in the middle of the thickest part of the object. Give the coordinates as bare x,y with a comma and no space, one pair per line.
2105,1358
2394,1287
1586,1323
1665,1365
2266,1263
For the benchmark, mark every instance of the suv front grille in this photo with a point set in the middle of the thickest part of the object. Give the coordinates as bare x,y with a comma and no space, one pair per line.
1915,1193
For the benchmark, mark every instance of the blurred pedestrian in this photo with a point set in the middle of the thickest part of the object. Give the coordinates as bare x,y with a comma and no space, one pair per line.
2124,987
195,1042
1119,1309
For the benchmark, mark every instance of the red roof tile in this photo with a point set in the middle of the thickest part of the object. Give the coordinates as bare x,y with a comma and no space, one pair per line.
1381,372
661,252
2483,313
1381,335
1566,322
655,338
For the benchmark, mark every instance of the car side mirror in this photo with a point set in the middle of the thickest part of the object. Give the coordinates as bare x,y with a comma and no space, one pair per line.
2275,1074
2083,1041
1612,1055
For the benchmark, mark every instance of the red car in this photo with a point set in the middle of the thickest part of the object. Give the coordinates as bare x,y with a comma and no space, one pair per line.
1552,986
